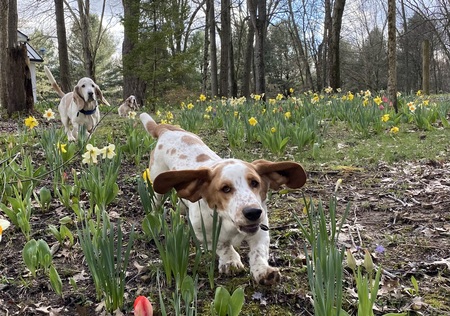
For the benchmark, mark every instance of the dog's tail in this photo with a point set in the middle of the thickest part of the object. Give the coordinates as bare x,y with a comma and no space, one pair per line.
149,124
154,128
52,80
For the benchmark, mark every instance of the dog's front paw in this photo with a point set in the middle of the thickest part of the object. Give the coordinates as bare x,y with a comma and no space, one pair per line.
267,275
230,267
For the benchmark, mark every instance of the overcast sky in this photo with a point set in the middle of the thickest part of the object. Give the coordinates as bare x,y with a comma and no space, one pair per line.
40,15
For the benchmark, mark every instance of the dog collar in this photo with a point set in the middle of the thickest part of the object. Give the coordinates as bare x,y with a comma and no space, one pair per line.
87,112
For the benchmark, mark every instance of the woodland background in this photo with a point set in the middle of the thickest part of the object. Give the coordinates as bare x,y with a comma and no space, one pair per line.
170,50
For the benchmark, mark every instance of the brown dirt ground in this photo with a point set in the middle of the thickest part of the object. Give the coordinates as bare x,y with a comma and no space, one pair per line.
402,207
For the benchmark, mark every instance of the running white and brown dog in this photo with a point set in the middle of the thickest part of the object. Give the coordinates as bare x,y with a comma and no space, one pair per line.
236,189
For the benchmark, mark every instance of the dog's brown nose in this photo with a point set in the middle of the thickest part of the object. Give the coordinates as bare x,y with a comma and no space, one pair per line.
252,214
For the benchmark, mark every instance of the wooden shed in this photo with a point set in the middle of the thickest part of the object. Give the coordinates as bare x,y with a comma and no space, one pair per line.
34,57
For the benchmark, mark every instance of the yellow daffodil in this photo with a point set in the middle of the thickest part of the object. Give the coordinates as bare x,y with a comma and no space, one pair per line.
315,99
202,97
163,121
257,97
49,115
291,90
236,113
169,115
4,224
272,101
385,118
206,116
132,115
252,121
273,130
328,90
61,147
344,97
146,175
208,109
338,90
419,93
90,156
263,111
378,100
158,113
425,102
350,96
183,105
287,115
399,94
108,151
274,110
365,101
190,106
31,122
279,97
394,130
367,94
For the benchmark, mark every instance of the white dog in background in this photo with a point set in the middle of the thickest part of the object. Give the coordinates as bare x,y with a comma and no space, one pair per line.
130,104
79,107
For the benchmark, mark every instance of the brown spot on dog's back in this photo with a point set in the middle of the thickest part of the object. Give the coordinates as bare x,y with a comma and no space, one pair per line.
202,157
160,146
173,151
191,140
161,128
183,157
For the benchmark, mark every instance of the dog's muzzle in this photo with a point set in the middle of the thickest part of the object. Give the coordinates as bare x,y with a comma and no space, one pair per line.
91,96
252,215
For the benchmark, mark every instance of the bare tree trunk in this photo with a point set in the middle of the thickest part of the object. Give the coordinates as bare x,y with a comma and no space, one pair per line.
20,90
212,36
232,73
206,44
63,53
323,52
132,84
225,40
334,58
89,66
406,48
258,16
426,67
248,61
392,55
3,52
300,52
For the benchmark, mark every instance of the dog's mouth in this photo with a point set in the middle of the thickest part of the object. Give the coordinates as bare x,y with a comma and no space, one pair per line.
249,229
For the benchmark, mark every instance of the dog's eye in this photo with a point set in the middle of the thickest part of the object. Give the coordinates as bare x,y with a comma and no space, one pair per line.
83,86
226,189
254,184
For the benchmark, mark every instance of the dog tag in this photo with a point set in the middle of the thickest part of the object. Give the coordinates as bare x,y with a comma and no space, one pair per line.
264,227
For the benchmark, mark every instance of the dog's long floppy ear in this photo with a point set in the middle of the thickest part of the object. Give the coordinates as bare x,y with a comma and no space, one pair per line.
288,173
187,183
100,97
78,98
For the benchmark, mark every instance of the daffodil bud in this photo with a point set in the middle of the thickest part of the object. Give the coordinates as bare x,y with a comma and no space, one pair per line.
368,263
351,262
45,197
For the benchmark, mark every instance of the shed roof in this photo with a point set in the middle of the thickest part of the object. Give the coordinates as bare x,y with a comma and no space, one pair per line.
33,55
